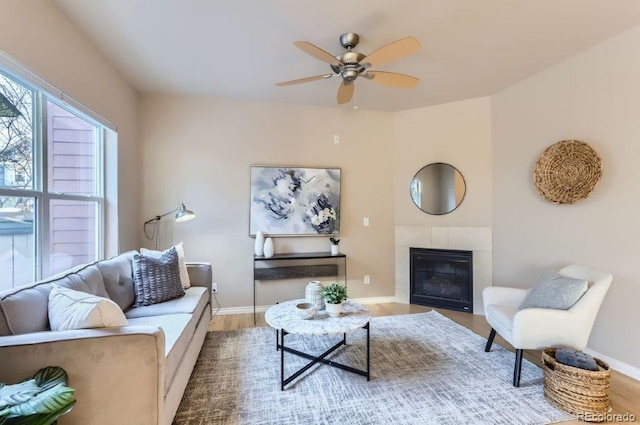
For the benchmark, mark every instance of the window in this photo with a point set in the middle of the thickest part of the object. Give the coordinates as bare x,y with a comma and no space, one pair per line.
51,185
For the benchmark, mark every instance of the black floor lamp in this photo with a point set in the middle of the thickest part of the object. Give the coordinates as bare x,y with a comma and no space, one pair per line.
182,214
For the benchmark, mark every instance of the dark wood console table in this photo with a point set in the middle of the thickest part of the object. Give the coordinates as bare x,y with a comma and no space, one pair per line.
298,265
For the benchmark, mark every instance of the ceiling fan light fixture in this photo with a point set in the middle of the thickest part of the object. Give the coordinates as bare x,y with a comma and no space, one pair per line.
349,75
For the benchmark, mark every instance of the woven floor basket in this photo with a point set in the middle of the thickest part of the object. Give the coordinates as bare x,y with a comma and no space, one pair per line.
567,172
576,391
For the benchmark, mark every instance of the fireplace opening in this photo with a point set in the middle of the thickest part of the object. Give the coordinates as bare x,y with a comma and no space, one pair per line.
442,278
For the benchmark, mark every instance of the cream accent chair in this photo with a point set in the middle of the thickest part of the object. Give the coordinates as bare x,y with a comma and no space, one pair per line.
539,328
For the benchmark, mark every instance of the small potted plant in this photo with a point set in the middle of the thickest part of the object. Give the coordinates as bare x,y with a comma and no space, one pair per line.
334,294
334,245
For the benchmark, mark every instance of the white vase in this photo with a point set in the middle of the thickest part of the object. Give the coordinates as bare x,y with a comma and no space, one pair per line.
258,249
313,294
334,310
268,248
335,249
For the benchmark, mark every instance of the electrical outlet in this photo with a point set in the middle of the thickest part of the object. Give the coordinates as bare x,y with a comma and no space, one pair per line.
214,287
367,279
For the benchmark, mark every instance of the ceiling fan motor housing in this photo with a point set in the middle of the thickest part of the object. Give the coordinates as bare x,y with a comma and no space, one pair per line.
351,67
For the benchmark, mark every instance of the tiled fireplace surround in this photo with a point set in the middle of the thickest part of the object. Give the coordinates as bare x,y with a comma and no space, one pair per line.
476,239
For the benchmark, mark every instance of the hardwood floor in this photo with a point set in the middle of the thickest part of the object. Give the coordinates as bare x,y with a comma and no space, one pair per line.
625,391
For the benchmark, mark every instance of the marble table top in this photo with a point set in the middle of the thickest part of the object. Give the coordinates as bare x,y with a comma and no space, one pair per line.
283,316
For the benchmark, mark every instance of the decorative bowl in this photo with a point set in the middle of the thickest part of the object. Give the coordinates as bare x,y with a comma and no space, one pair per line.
306,311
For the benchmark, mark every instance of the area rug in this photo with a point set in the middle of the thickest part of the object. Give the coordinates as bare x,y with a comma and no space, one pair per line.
426,369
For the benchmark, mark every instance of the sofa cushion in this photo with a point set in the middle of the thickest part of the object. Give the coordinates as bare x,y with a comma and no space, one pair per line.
117,274
178,331
555,291
25,309
182,263
70,309
92,277
193,302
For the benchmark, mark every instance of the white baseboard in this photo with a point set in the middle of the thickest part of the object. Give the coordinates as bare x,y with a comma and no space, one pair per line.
263,308
374,300
616,365
243,310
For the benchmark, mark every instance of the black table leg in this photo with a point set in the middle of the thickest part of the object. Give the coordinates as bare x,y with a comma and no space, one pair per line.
368,355
282,332
319,359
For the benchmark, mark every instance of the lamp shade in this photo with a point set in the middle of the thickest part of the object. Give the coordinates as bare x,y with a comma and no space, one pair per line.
183,214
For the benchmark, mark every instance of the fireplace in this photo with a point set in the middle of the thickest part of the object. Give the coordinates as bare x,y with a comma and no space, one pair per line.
442,278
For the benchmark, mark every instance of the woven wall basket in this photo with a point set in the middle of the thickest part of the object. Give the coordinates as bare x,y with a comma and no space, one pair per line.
567,172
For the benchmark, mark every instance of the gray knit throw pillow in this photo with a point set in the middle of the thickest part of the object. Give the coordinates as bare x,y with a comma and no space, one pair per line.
156,279
555,291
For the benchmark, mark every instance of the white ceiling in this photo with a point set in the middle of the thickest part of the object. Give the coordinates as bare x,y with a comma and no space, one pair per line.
241,48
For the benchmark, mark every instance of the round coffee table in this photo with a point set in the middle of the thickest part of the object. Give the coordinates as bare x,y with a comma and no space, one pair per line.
284,319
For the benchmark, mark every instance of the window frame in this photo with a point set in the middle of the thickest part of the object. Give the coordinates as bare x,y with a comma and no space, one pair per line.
40,180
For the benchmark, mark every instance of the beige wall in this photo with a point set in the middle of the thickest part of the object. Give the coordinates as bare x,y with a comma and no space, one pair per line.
594,97
38,35
199,150
457,133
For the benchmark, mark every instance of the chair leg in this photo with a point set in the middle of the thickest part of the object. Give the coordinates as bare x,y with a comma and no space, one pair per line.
517,368
492,335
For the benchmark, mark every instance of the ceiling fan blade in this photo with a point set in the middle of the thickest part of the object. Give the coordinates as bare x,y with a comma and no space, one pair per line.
393,79
316,52
393,51
345,92
303,80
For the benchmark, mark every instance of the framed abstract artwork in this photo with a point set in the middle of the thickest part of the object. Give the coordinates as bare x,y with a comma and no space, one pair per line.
288,201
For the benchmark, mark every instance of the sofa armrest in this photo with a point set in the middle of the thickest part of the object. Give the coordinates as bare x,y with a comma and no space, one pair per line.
117,373
200,274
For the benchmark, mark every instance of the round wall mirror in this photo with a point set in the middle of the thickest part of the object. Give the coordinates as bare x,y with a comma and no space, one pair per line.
438,188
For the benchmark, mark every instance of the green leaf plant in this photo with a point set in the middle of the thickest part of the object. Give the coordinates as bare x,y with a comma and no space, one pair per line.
334,293
39,400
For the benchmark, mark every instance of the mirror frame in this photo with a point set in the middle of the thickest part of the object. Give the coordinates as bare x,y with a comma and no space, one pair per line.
464,195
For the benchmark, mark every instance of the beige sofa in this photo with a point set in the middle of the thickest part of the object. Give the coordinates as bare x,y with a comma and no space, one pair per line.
135,374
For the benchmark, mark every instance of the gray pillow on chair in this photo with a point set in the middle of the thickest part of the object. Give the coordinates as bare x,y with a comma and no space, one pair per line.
555,291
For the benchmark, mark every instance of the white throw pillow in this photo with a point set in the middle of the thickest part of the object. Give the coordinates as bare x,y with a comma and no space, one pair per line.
182,263
70,309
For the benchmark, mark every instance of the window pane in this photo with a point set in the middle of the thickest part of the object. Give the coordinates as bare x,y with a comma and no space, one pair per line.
17,241
72,230
72,153
16,135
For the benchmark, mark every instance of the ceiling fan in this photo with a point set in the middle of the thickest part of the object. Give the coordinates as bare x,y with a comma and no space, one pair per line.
351,65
